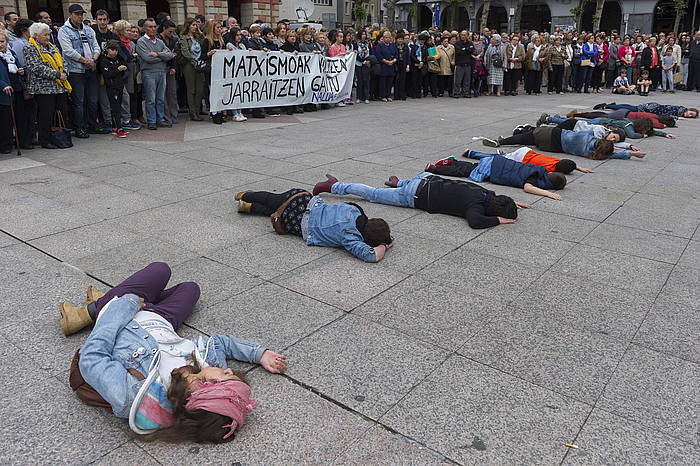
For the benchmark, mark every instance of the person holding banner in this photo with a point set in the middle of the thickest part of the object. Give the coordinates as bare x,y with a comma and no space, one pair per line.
291,45
302,214
337,49
212,41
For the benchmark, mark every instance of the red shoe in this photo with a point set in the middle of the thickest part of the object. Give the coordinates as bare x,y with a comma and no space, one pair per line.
392,182
445,161
324,186
429,168
121,133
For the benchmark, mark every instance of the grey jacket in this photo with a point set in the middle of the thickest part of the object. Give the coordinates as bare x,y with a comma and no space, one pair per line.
147,62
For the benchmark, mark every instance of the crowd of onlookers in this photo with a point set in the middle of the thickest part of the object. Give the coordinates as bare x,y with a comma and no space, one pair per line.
101,77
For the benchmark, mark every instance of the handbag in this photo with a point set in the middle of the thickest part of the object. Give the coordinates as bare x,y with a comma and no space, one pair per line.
276,217
84,391
585,62
60,135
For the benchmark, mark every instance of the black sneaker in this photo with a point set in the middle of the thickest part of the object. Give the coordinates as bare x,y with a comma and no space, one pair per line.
542,120
152,126
81,134
491,142
162,124
599,106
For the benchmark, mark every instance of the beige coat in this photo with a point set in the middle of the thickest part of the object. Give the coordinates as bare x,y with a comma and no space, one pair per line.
447,59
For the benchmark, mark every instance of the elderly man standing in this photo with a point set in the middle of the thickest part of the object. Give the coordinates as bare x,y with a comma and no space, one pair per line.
153,59
80,52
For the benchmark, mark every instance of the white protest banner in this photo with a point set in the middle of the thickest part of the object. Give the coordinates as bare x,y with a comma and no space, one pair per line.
248,79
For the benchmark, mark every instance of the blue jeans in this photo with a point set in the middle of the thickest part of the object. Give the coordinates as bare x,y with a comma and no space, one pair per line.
402,196
631,108
556,120
84,98
154,93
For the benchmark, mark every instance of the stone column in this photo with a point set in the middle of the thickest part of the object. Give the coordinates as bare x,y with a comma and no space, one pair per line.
133,10
178,11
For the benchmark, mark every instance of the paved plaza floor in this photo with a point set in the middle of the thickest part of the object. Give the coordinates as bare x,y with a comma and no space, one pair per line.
580,324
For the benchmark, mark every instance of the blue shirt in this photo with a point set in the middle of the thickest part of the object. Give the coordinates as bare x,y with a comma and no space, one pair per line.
481,171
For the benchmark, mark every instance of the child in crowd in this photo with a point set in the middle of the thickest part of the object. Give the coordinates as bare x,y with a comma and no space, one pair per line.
622,85
643,83
113,70
668,63
135,363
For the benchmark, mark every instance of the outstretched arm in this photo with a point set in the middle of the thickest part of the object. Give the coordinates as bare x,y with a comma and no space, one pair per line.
522,205
584,170
532,189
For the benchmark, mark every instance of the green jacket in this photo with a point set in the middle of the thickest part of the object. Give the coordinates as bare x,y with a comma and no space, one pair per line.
627,126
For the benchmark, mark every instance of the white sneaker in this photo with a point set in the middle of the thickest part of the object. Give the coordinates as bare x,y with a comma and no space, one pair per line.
366,101
239,117
340,104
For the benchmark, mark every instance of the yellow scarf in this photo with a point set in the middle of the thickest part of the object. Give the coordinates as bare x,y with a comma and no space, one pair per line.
54,60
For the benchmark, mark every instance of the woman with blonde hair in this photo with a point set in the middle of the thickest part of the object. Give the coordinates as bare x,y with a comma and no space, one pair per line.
213,40
127,51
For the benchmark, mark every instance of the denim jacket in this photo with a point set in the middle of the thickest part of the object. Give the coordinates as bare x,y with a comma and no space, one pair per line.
118,343
72,46
583,142
335,225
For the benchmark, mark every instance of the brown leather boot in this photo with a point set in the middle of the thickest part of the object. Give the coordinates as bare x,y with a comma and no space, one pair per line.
325,186
244,207
240,194
92,294
73,318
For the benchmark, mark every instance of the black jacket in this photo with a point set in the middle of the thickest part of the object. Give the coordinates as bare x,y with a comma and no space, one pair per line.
646,58
114,79
454,197
694,50
464,52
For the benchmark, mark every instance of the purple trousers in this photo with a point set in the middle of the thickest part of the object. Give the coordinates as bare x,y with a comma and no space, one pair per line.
174,304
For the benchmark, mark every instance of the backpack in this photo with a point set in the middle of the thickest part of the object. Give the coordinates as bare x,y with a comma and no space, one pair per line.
497,59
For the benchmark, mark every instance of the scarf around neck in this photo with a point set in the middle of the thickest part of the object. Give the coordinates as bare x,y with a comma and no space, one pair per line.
10,60
53,58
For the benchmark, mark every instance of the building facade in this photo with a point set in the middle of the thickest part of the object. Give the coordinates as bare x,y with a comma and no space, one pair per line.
246,11
622,15
544,15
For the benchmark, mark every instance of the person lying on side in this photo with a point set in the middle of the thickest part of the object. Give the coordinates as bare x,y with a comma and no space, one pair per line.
299,213
436,195
133,362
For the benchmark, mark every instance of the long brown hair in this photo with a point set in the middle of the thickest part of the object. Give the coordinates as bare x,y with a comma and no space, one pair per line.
643,126
197,425
186,28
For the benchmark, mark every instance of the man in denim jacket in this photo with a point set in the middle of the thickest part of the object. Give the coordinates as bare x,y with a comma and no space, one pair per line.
80,53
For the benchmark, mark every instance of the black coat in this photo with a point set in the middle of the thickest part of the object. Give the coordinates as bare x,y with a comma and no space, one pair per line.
646,58
464,52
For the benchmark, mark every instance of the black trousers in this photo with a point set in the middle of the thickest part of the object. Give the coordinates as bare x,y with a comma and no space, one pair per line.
555,78
597,77
445,84
533,81
114,96
522,139
416,83
511,80
569,124
47,105
266,203
6,133
385,83
694,75
25,114
400,83
460,168
655,76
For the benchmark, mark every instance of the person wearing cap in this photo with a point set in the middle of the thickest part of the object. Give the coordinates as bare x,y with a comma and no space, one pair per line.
134,361
80,53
